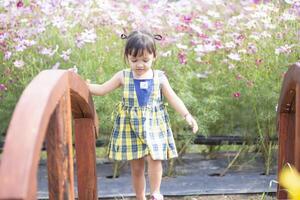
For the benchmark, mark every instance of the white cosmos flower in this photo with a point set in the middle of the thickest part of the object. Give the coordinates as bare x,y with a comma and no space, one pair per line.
291,1
234,56
230,45
203,75
231,66
206,48
181,46
213,14
198,59
288,16
166,54
19,64
48,51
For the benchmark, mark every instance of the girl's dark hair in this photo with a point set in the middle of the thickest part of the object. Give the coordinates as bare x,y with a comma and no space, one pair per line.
139,41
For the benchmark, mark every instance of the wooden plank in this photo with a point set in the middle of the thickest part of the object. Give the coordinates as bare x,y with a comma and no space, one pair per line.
86,159
290,146
59,152
297,129
283,138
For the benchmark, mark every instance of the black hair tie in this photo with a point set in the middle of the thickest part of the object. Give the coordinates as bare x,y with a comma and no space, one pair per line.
123,36
157,37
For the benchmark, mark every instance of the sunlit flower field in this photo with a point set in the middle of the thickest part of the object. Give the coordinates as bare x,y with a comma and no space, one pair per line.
225,59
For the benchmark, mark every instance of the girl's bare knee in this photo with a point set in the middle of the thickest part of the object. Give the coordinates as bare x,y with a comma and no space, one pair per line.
154,163
137,167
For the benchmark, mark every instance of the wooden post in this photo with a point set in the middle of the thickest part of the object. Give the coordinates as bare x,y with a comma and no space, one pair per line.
282,149
86,159
59,152
297,129
290,146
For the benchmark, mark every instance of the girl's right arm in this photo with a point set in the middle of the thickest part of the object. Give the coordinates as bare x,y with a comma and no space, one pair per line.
115,82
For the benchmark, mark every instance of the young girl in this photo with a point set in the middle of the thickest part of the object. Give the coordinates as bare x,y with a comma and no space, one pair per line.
142,130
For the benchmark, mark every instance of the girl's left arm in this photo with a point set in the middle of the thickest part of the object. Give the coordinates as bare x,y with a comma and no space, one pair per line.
177,104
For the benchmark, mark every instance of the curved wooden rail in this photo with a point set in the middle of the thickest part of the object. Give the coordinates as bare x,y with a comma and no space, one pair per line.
44,112
288,117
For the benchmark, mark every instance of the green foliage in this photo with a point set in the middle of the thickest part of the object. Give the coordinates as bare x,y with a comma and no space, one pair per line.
207,87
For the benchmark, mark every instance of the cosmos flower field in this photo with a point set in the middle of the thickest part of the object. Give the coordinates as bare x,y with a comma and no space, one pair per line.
225,59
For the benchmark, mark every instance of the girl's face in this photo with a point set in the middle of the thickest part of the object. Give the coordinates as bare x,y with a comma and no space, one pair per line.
141,63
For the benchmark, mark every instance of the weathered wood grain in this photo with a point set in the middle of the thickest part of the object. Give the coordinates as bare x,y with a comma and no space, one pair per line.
85,159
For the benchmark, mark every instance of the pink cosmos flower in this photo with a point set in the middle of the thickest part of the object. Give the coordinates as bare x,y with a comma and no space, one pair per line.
258,61
182,28
239,77
182,58
252,49
87,36
239,39
3,45
7,55
285,49
218,44
146,7
187,19
296,7
65,55
202,36
20,4
236,95
2,87
218,25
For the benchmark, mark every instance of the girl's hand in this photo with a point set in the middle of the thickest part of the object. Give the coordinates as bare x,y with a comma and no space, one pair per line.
88,83
192,122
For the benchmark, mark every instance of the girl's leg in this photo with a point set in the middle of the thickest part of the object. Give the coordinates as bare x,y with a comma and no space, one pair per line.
138,178
155,174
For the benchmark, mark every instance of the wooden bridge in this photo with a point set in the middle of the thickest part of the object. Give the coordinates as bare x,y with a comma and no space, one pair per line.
45,112
288,117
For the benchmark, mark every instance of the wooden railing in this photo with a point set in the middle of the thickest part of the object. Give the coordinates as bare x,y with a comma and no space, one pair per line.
288,117
44,113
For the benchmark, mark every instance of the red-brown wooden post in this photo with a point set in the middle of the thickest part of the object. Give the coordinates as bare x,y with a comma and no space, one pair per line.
290,146
59,152
297,129
282,146
85,158
288,115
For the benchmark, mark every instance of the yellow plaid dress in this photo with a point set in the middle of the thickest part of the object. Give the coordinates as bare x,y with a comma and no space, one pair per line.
140,131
